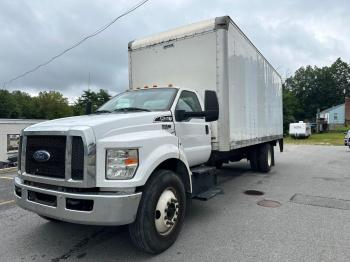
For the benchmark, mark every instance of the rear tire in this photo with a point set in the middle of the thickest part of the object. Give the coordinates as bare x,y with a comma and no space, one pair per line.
253,159
160,214
265,158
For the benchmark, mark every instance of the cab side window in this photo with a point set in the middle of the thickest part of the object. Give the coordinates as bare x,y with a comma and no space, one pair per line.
188,101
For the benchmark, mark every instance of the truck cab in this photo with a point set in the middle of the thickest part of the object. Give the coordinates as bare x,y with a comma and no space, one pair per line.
94,169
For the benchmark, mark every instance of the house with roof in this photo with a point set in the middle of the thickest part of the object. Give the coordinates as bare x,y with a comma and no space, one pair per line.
336,116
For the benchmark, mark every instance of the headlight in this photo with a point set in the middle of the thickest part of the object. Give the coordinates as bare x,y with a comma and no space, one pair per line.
121,163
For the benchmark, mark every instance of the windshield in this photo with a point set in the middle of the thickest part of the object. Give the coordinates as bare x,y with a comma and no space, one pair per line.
155,99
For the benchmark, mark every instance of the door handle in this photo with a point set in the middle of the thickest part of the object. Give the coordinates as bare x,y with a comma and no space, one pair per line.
206,129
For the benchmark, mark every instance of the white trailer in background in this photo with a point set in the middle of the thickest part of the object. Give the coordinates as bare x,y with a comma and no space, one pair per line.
300,129
10,130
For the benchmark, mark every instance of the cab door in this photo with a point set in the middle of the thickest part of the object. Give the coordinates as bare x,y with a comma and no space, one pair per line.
193,133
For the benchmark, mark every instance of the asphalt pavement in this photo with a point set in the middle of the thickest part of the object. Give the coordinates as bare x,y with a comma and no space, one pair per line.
309,220
6,192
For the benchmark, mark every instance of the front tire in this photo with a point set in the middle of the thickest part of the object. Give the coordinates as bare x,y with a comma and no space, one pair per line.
160,214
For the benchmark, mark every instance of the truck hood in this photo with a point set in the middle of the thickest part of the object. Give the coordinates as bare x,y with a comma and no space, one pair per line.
104,125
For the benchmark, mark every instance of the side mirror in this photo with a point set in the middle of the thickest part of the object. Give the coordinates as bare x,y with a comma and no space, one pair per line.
211,106
182,115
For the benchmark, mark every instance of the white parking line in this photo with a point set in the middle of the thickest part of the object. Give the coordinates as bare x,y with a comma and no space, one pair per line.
6,177
7,202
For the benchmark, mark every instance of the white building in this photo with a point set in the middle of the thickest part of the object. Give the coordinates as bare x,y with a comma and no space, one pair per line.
10,130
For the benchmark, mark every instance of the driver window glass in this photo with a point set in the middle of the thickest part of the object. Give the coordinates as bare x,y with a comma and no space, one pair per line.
188,101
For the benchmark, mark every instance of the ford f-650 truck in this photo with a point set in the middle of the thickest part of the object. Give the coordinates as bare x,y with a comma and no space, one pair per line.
199,96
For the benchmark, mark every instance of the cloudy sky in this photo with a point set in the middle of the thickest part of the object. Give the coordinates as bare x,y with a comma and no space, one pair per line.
289,33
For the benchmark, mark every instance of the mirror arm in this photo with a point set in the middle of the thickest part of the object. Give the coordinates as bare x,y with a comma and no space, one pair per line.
195,114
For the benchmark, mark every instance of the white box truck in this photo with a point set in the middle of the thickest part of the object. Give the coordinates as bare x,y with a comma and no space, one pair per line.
199,96
300,130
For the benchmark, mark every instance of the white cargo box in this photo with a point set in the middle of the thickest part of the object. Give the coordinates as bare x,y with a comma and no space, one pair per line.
215,55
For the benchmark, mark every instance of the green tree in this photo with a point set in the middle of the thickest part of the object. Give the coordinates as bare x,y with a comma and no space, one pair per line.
340,72
291,108
315,87
96,99
25,104
8,106
51,105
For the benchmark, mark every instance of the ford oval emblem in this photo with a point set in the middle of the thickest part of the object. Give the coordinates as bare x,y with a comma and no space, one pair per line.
41,156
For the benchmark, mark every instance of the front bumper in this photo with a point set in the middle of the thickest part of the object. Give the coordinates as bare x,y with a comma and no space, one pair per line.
107,209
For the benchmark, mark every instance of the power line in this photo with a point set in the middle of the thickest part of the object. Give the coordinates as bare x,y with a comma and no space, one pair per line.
76,44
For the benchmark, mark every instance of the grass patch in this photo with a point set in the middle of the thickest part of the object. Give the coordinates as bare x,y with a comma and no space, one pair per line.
340,129
335,138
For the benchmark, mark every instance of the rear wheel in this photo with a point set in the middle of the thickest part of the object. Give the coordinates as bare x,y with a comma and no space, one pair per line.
253,158
160,214
265,158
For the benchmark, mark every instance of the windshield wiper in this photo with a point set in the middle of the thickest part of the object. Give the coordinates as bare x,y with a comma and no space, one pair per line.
102,111
126,109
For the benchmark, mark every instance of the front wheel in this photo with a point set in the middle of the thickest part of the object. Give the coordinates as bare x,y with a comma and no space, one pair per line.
160,214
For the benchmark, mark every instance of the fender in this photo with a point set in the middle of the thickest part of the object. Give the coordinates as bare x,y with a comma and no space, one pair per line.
155,147
172,163
183,159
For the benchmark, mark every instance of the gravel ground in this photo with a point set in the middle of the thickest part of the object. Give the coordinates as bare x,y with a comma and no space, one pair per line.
312,224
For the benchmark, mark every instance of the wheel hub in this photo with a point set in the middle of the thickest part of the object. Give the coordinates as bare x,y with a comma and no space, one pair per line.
166,213
170,211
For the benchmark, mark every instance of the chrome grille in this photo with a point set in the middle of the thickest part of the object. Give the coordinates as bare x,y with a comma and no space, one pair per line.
55,166
77,165
61,149
78,155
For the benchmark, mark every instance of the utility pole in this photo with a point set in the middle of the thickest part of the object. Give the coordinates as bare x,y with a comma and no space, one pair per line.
88,108
89,81
318,120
